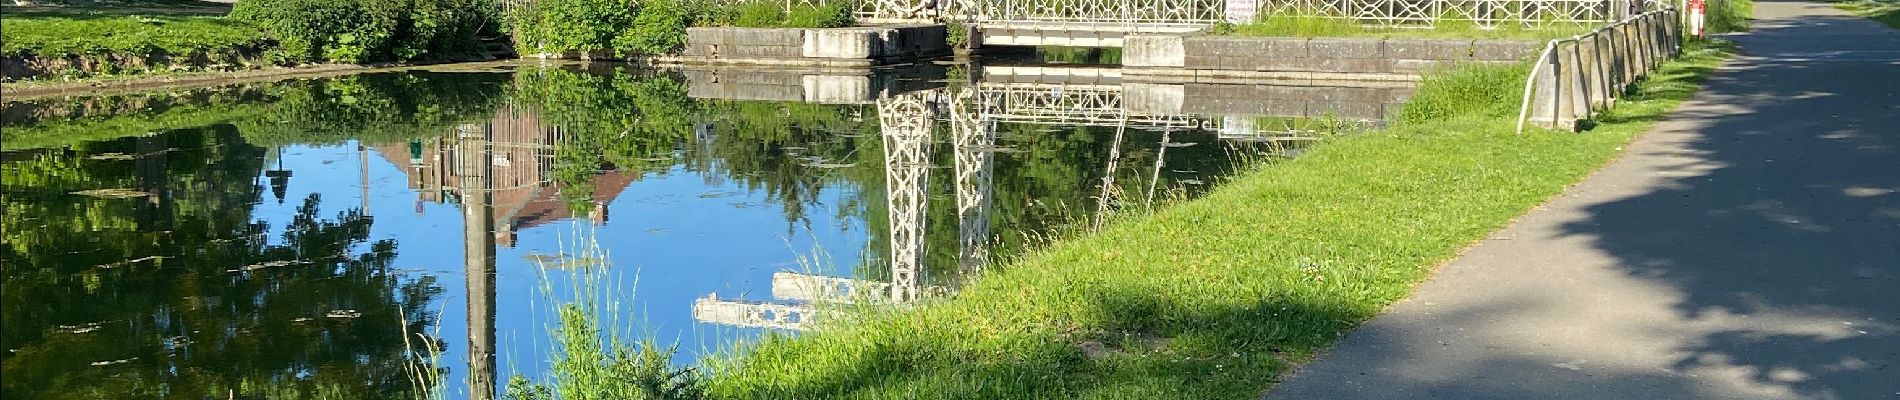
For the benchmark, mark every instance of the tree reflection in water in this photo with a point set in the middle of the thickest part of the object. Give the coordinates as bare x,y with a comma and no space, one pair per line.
181,292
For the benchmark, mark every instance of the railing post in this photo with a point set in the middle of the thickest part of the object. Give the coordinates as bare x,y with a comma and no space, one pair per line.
1586,105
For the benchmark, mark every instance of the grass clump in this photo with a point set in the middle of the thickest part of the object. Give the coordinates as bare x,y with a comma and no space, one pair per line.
592,361
1488,90
774,14
1883,11
1215,297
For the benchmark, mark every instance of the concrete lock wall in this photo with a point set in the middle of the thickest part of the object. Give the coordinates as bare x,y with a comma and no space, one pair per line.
840,47
1320,58
810,85
1367,103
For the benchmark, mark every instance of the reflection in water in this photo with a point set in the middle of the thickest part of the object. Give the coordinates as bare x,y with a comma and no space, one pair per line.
473,164
178,291
194,282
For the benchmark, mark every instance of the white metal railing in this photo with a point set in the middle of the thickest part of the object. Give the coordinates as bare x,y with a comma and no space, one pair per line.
1576,76
1154,12
1484,13
1386,13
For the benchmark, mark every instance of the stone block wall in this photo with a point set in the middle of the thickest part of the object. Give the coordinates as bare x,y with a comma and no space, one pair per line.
1363,103
856,46
1240,56
1352,103
723,42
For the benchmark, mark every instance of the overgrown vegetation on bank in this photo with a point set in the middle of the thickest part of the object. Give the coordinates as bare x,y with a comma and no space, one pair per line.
84,44
78,42
627,28
1215,297
358,31
1884,11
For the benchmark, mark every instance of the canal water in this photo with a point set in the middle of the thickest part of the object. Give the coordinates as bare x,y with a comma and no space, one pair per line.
351,236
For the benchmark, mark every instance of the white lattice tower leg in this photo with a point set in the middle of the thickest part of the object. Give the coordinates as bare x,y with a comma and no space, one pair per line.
1161,156
905,124
974,140
1103,206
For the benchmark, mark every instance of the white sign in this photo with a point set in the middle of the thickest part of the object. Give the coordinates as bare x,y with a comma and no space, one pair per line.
1242,11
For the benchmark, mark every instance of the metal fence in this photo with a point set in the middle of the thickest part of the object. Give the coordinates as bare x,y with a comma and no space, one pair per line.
1199,12
1385,13
1575,77
1484,13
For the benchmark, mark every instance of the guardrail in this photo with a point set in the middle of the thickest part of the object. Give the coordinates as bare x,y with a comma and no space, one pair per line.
1576,77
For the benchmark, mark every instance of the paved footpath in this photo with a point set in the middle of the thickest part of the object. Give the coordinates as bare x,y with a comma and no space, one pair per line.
1747,247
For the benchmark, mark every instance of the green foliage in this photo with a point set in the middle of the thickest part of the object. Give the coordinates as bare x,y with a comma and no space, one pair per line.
958,35
833,14
592,367
591,361
570,25
759,14
61,34
1729,15
357,31
1080,55
659,28
1480,89
1885,12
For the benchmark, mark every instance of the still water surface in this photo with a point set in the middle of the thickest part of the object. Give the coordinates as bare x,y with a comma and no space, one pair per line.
314,237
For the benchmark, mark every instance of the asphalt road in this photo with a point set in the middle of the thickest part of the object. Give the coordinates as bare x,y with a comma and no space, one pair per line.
1747,247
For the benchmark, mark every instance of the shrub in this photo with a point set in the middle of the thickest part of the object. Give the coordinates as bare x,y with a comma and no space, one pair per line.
834,14
759,14
659,28
367,30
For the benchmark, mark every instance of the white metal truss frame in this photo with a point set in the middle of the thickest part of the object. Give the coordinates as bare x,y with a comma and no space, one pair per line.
1122,12
1161,13
1069,104
905,121
1428,13
975,139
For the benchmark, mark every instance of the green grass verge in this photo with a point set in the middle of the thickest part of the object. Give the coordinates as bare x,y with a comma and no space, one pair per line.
1887,12
1216,297
59,34
1729,15
1282,25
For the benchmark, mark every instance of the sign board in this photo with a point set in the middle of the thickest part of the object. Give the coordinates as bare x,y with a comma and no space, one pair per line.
1242,11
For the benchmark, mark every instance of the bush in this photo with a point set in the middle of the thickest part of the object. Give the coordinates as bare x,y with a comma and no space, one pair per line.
759,14
357,31
659,28
835,14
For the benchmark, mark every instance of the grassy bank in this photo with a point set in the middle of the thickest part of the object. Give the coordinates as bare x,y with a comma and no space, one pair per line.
1887,12
1282,25
108,39
1216,297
